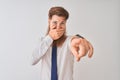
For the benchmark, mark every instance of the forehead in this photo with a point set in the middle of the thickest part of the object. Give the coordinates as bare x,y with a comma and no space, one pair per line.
58,18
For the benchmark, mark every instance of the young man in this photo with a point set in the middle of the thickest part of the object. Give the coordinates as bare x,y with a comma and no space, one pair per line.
68,47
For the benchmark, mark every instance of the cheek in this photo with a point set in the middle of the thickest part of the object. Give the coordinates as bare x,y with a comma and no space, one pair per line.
64,28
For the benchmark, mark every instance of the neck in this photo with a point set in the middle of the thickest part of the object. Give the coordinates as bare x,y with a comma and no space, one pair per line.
60,41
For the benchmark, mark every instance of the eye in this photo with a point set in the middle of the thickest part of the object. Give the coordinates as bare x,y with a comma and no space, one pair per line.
54,22
63,23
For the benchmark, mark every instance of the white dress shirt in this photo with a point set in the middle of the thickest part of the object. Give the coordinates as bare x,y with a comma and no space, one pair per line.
65,59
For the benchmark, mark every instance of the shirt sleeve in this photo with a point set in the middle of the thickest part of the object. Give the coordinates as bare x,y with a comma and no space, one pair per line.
69,42
40,51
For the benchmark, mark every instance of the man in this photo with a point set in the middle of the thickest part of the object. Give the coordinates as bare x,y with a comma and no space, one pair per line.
68,47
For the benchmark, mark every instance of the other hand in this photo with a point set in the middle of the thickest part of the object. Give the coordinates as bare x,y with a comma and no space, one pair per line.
56,33
80,47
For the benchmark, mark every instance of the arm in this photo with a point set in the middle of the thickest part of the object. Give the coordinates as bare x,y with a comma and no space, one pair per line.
45,43
80,47
53,34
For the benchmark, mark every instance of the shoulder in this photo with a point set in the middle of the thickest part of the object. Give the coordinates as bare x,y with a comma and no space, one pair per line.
69,37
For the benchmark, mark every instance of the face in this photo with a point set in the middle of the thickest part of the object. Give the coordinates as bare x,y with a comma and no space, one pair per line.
57,23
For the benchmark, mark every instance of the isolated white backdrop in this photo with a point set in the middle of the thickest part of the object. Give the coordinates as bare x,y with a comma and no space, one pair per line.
22,22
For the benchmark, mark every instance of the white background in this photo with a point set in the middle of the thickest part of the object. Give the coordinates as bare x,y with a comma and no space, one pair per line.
22,22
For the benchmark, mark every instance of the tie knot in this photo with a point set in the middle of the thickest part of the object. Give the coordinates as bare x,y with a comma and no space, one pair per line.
54,43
